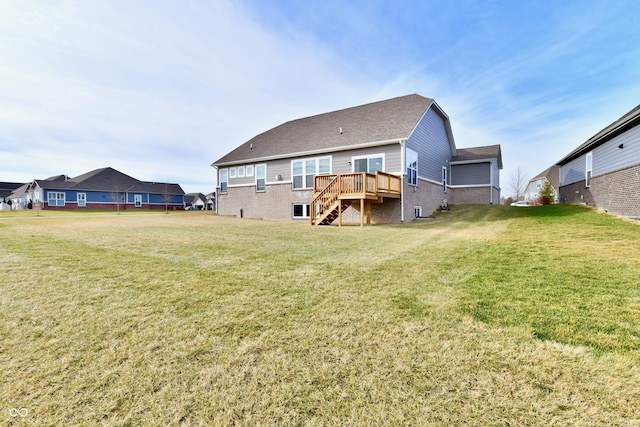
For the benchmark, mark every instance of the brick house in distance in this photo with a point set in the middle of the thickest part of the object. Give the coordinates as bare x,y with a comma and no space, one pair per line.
385,162
604,171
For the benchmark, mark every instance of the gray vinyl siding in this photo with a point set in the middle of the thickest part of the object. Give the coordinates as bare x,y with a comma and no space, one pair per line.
574,171
430,140
609,158
472,174
280,170
392,158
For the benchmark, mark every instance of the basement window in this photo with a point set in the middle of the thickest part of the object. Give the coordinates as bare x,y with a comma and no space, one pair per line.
301,211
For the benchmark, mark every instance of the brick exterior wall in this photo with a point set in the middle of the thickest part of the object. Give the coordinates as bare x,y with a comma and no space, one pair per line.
474,195
109,206
617,193
427,194
576,193
276,202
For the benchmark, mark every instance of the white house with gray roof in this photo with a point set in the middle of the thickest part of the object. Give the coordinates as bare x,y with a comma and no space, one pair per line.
384,162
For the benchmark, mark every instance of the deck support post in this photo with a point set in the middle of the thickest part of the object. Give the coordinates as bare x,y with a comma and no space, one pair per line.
361,213
368,213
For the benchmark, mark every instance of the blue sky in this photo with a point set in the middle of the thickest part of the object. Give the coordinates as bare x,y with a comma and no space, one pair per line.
161,89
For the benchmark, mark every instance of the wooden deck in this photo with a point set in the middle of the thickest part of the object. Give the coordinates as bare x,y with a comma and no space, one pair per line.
332,194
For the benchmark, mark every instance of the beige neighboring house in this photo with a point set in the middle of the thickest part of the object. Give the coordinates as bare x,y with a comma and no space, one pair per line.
390,161
552,174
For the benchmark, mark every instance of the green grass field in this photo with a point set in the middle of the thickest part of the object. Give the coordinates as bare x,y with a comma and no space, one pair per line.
484,316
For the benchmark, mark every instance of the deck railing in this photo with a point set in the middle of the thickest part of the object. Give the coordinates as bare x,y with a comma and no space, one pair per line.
328,189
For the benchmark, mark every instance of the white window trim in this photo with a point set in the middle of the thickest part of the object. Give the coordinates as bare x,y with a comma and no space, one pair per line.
57,193
368,157
249,170
82,202
304,174
407,151
226,181
137,200
306,208
444,178
232,172
588,171
265,178
240,171
417,211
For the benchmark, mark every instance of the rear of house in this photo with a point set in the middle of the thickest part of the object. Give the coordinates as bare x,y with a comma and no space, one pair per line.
384,162
604,172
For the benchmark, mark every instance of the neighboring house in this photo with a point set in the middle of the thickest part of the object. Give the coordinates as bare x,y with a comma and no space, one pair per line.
6,188
552,174
104,188
385,162
605,170
195,201
211,201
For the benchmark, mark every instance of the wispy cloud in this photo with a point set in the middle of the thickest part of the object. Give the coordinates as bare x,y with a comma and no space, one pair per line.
160,90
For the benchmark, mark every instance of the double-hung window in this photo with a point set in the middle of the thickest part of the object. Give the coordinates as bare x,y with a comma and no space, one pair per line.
412,167
589,169
261,177
303,171
224,180
56,199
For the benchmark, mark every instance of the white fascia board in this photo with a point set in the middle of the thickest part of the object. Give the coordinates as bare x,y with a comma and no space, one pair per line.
311,152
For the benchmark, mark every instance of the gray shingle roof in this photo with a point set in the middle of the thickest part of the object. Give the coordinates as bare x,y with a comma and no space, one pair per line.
107,179
479,153
624,123
390,120
552,174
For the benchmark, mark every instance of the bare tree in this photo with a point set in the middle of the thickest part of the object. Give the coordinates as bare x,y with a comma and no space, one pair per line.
167,196
117,196
518,183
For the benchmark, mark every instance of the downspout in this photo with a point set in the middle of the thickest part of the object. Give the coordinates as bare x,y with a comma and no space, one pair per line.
217,187
491,182
402,169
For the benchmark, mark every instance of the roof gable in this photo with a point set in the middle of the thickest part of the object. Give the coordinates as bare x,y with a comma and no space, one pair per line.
390,120
552,174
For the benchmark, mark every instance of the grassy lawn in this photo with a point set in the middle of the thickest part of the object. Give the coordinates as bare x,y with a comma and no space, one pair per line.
483,316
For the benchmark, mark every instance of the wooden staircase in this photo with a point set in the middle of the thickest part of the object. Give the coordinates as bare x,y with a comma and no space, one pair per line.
332,194
333,212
